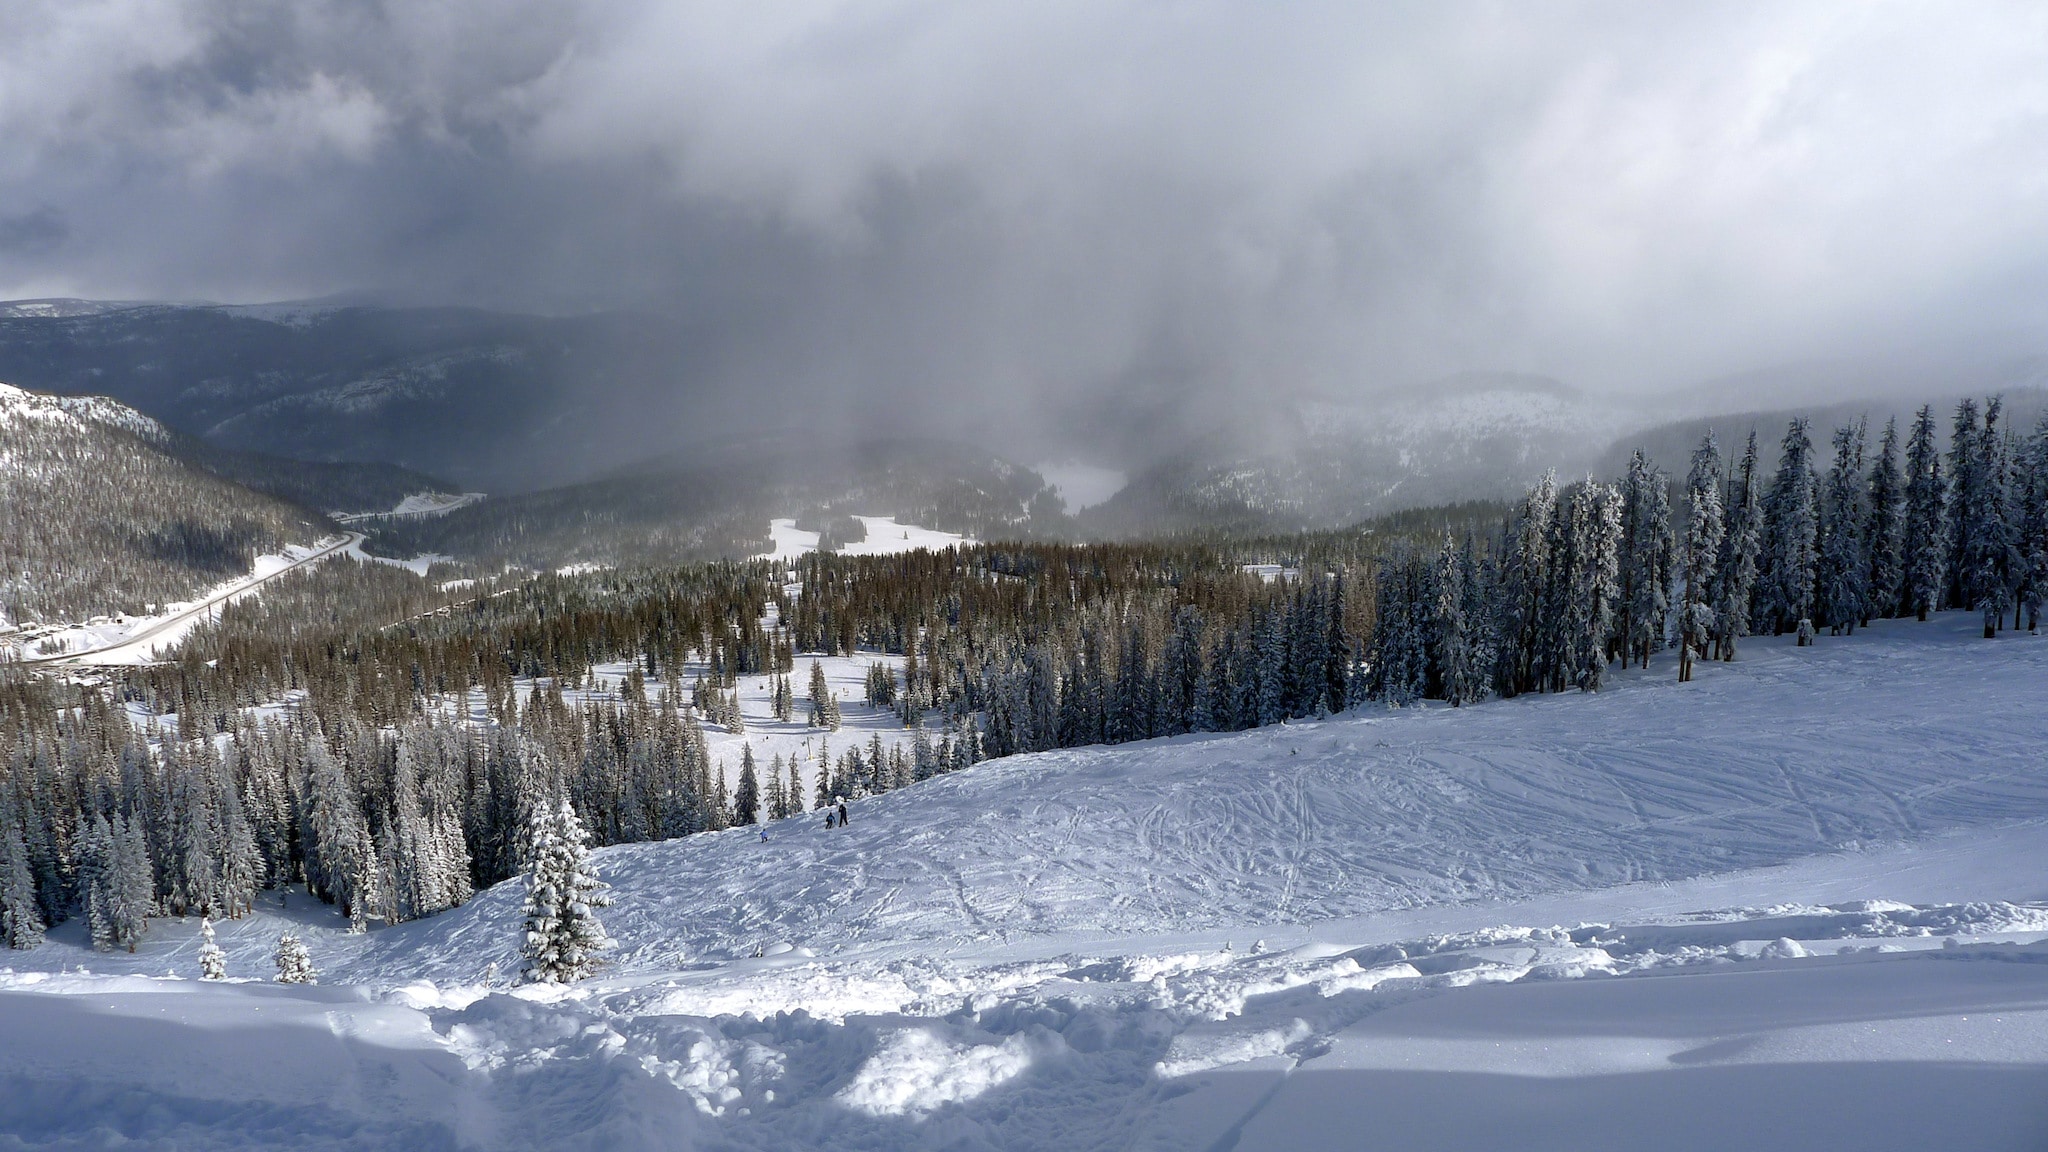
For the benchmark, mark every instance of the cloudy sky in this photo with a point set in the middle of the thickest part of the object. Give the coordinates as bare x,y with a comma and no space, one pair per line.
1054,198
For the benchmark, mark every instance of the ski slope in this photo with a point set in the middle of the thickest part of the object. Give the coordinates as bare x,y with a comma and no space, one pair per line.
1902,732
1800,902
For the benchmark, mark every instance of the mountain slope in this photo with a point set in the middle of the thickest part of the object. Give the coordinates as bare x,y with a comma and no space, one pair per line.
494,400
1904,731
98,516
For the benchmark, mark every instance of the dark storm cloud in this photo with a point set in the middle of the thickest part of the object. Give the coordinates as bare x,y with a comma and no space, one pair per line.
1022,209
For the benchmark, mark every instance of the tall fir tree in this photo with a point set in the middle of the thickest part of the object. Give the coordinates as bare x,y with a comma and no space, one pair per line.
1883,530
563,936
1842,568
1701,554
1741,544
746,796
1790,534
1923,535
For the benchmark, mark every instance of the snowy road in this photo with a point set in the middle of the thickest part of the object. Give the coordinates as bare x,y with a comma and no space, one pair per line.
173,625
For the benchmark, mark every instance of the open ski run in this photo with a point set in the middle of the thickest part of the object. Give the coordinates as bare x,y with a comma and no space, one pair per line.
1416,928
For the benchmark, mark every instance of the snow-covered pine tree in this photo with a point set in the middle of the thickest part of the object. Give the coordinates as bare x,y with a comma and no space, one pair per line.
793,790
563,934
1997,561
213,963
2032,497
1524,577
1923,541
1790,534
1645,573
1882,529
1842,566
1595,554
1701,554
126,890
774,791
21,920
1966,500
823,797
746,796
1740,545
1456,668
294,963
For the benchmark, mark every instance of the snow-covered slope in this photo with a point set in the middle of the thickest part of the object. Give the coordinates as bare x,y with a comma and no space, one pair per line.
1796,903
1900,732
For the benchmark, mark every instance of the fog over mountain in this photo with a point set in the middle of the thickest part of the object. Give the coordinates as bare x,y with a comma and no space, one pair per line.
1099,230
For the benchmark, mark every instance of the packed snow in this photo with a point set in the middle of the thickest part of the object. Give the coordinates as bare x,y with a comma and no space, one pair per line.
886,537
418,506
1799,902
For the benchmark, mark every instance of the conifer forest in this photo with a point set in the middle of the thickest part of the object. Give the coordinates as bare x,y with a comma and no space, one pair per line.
390,745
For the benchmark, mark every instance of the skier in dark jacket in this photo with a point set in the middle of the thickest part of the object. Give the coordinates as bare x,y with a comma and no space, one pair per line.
842,813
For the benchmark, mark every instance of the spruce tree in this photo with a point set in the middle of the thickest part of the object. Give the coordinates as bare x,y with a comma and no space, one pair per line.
1790,534
1923,546
1701,554
21,920
1740,546
2032,498
563,936
1842,569
1883,529
746,798
213,963
294,963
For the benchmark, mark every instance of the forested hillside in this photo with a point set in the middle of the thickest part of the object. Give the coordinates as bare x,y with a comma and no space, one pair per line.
427,723
97,517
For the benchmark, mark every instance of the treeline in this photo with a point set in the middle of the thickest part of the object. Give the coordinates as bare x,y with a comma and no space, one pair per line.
1578,579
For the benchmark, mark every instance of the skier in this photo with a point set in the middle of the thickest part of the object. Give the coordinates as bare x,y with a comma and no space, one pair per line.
831,819
842,813
764,835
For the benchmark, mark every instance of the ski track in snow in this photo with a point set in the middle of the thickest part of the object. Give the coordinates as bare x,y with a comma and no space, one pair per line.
1326,935
1788,753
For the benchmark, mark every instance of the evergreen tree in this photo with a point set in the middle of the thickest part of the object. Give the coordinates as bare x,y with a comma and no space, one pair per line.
213,963
1923,537
294,963
1645,562
2032,498
1740,546
1702,552
1457,670
1842,569
1594,549
1884,528
1790,534
21,920
1992,556
563,935
746,798
1966,481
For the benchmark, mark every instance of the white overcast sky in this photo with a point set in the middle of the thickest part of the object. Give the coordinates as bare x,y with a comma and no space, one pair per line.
1058,195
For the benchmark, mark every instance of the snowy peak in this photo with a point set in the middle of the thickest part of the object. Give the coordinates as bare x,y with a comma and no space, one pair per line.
21,404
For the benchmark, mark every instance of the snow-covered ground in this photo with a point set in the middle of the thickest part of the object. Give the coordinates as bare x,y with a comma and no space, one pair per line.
1800,902
885,537
419,505
143,639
